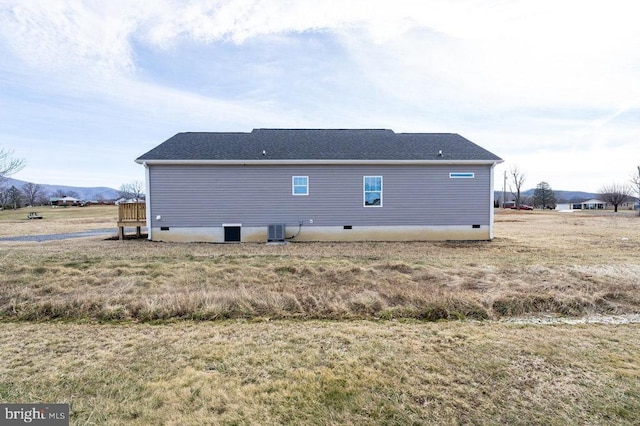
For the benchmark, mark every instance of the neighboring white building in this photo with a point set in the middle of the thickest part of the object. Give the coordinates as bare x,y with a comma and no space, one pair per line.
124,200
592,204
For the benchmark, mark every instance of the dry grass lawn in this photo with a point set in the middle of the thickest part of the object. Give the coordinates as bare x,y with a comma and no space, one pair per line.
329,372
324,333
540,263
57,220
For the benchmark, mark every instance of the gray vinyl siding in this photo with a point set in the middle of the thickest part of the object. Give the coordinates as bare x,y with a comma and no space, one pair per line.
209,196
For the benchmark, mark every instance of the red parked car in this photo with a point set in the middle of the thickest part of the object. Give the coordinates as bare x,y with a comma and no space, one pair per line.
522,207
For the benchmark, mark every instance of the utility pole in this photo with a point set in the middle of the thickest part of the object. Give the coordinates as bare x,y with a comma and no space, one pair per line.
504,189
637,181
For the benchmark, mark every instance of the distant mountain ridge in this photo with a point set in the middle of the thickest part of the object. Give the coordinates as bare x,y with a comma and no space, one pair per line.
84,193
568,196
561,196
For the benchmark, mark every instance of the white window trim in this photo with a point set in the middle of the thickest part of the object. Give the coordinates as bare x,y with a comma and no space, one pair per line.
293,185
364,192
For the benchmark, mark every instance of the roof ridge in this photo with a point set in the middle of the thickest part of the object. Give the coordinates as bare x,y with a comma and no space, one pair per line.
320,129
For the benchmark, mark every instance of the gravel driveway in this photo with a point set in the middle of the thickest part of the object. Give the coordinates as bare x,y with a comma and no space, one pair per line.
53,237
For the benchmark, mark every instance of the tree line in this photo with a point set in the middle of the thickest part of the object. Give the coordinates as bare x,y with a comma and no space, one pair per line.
615,193
31,194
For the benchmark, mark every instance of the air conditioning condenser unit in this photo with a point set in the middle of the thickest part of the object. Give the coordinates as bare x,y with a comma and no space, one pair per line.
276,233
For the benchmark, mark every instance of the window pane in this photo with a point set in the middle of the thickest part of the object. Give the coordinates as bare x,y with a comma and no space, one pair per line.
373,190
373,183
300,185
372,198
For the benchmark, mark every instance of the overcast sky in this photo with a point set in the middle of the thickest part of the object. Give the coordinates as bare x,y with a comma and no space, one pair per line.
552,87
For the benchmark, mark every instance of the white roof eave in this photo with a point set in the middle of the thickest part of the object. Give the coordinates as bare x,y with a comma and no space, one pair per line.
312,162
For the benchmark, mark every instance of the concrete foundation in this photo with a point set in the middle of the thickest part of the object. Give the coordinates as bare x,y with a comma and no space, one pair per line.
330,233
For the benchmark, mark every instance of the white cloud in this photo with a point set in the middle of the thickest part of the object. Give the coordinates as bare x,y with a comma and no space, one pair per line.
583,157
68,36
542,83
565,54
538,52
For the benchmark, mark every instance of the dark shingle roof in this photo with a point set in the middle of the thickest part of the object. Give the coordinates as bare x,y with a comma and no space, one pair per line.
318,144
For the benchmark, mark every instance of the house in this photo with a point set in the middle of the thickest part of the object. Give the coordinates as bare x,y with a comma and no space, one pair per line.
589,205
630,204
564,207
319,185
64,201
125,200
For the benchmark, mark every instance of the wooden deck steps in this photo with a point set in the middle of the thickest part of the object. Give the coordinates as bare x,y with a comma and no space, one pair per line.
129,215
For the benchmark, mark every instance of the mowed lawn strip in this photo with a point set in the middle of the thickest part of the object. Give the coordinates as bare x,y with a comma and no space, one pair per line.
326,372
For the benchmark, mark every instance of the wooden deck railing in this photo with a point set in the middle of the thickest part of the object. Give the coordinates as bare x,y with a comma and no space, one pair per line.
131,214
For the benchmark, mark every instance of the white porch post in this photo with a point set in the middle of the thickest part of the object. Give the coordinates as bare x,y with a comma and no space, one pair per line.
148,199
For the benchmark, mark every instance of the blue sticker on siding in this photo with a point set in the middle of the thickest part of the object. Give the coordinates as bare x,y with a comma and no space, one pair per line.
469,175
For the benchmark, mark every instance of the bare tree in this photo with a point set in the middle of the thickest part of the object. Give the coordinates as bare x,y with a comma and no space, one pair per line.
9,165
517,180
615,194
635,182
33,193
133,190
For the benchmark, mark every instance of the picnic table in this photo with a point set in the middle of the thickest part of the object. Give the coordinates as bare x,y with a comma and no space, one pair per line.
34,215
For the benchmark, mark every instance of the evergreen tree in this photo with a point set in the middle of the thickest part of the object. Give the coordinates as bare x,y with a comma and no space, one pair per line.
14,197
543,196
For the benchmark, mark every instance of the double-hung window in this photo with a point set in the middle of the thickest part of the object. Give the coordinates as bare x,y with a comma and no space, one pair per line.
372,186
300,185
